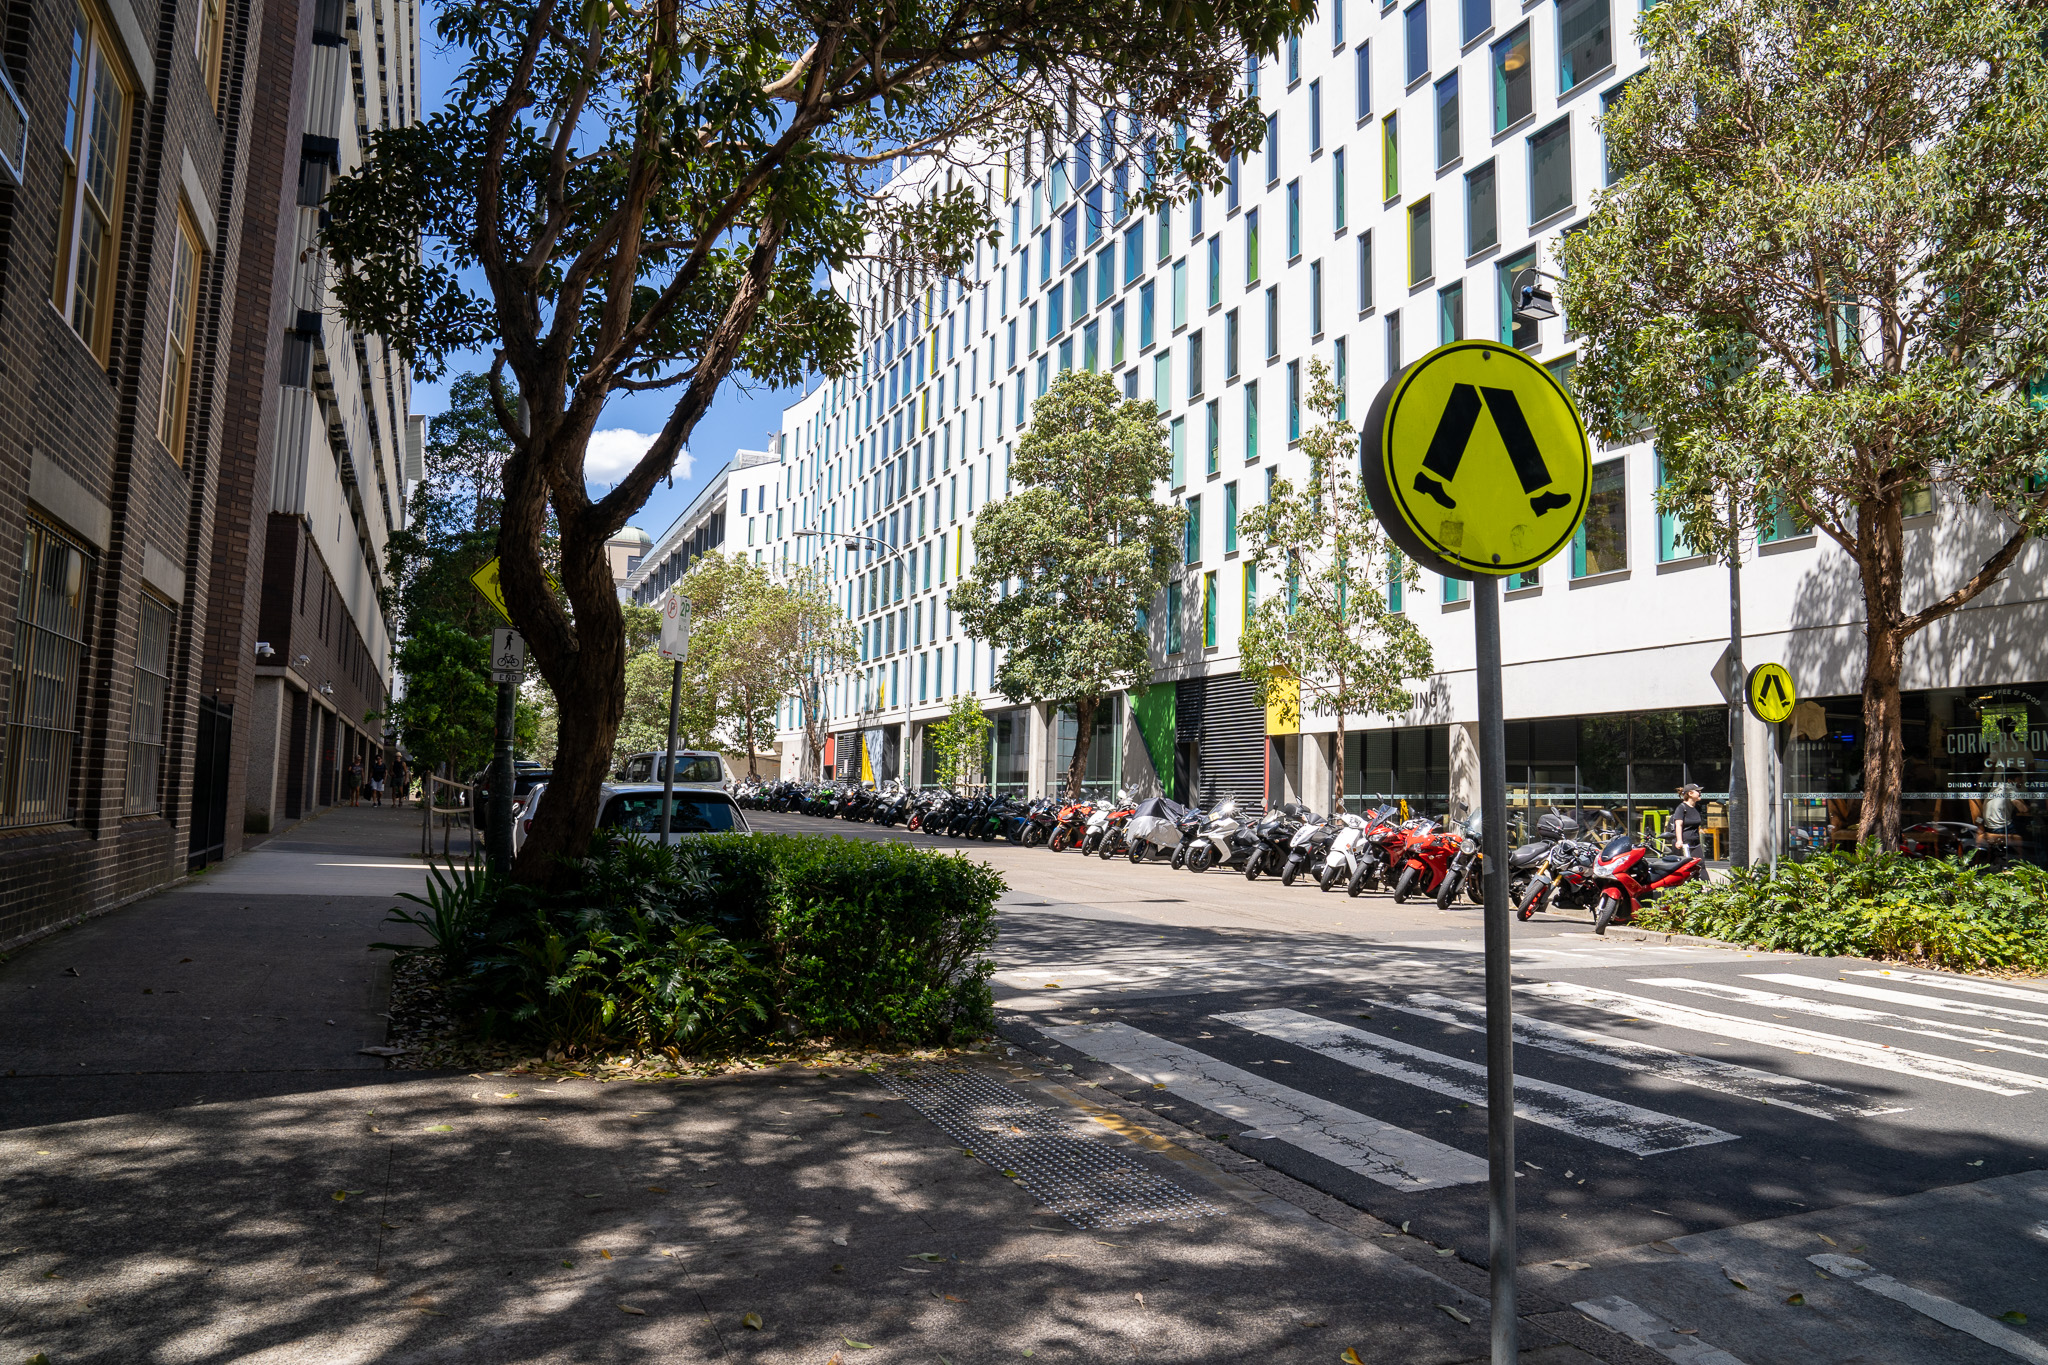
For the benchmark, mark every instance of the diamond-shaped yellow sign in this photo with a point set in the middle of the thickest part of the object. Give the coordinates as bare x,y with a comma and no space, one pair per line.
486,581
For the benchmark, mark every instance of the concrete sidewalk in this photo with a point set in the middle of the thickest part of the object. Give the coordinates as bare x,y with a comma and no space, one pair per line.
197,1164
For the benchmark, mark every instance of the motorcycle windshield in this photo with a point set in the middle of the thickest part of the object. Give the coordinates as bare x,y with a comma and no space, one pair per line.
1615,847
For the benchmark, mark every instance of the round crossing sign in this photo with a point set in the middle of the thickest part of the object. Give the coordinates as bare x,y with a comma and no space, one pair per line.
1771,694
1476,461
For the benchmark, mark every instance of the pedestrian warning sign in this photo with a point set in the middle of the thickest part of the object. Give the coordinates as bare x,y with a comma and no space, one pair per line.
1771,694
486,581
1476,461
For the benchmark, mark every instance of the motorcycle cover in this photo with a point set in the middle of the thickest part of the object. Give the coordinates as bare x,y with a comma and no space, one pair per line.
1157,821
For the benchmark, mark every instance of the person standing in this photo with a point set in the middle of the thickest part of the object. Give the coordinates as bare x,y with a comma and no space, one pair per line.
377,772
401,780
1687,822
355,781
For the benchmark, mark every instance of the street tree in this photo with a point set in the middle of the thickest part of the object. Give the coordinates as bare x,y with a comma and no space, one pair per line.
820,639
446,716
1816,286
627,198
960,744
1065,566
1323,637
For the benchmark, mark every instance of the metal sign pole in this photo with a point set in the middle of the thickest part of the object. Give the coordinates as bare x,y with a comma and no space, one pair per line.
1500,1037
668,760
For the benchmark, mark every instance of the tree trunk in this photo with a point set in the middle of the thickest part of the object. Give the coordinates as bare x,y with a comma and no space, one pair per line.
1882,536
752,776
1084,734
585,661
1337,769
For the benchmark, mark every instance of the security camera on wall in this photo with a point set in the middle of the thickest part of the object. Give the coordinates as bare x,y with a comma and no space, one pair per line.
264,651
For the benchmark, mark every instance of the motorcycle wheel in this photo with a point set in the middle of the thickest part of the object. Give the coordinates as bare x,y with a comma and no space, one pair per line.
1180,857
916,821
1254,865
1405,887
1448,892
1327,878
1532,901
1137,853
1198,857
1357,882
1059,840
1610,907
1106,850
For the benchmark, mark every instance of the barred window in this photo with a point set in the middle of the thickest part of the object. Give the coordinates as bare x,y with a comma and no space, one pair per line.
49,653
152,689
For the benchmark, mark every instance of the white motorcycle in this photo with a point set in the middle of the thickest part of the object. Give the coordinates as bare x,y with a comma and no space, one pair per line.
1342,859
1211,846
1154,829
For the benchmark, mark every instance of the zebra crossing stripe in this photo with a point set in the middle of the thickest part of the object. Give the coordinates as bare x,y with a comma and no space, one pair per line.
1965,985
1647,1329
1611,1123
1358,1142
1903,1061
2002,1013
1944,1029
1706,1073
1947,1312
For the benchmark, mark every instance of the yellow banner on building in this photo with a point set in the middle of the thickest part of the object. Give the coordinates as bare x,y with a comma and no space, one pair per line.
1283,704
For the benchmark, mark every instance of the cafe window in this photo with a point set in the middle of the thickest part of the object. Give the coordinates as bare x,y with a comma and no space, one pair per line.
1409,766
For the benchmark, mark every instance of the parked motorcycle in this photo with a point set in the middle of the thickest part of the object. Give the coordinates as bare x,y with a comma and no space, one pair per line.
1154,830
1373,857
1272,836
1629,877
1466,870
1216,843
1426,859
1310,848
1071,824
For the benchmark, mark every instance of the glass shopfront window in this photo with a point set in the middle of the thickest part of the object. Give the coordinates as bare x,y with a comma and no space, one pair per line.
1105,770
1976,772
1619,772
1411,766
1011,773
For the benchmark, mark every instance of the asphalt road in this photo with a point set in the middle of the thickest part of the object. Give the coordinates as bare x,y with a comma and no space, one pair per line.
1696,1124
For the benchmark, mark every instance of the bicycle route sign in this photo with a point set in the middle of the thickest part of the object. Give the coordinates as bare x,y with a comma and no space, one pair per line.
1476,461
1771,693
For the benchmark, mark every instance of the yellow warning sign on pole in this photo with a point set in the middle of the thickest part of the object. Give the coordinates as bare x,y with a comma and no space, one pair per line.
486,581
1771,693
1476,461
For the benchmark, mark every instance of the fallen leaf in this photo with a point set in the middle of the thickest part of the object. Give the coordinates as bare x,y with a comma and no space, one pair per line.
606,1254
1573,1265
2013,1316
1825,1238
1686,1331
1973,1163
1013,1175
629,1308
341,1196
40,1359
1666,1246
751,1320
568,1265
926,1256
440,1128
1737,1283
1456,1316
1351,1357
839,1241
857,1345
657,1189
1446,1251
869,1114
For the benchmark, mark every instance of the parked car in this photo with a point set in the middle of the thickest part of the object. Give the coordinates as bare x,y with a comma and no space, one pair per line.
695,768
635,808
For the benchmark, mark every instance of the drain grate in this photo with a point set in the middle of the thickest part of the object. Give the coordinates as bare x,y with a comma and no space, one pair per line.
1089,1185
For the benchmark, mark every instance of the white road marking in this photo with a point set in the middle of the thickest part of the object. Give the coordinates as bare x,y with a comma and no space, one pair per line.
1966,985
1925,1002
1708,1073
1904,1061
1645,1328
1358,1142
1947,1312
1943,1029
1611,1123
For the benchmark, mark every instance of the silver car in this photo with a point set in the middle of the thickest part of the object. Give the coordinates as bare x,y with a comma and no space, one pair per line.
635,808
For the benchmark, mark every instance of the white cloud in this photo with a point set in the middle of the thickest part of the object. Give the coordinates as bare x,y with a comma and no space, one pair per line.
611,454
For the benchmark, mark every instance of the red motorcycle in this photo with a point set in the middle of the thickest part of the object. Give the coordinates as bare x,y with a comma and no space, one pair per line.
1627,877
1426,858
1070,825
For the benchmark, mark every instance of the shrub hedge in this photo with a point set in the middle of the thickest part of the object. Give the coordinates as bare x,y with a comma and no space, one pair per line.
719,942
1950,912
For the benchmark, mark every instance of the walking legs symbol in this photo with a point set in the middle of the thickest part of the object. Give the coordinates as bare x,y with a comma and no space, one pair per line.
1454,433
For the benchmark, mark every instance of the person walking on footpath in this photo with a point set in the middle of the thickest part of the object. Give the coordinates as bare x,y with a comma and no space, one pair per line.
355,781
1686,822
401,781
377,779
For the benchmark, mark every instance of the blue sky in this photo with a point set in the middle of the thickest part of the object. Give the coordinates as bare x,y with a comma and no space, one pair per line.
737,419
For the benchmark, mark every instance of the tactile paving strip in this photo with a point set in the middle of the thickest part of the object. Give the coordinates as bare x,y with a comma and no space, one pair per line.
1088,1184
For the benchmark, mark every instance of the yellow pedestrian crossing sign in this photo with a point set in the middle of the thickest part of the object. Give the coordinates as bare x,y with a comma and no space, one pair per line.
1771,693
1476,461
486,581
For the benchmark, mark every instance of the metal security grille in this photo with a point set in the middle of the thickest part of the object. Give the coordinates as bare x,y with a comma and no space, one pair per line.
1233,731
1086,1183
49,657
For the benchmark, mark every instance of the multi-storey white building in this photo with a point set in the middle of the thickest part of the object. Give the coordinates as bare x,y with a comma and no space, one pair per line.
1417,162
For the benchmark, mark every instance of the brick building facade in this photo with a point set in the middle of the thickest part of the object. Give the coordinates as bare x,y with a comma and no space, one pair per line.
140,160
